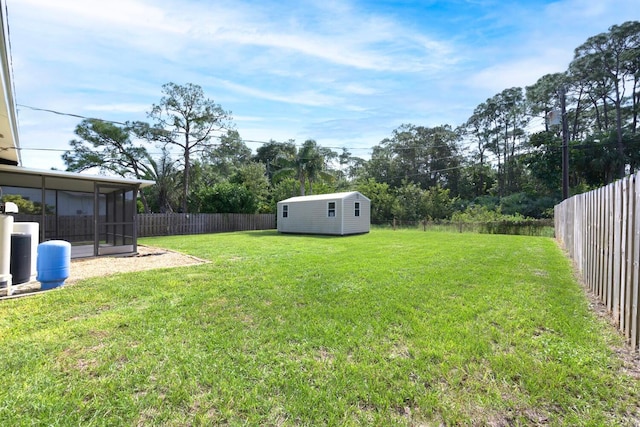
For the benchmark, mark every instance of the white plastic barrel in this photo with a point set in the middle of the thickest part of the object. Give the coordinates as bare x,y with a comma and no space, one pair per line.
6,228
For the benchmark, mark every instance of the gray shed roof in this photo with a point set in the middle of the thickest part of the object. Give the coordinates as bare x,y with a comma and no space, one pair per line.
330,196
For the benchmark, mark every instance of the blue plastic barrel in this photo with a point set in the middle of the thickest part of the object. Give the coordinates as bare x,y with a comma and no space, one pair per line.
54,259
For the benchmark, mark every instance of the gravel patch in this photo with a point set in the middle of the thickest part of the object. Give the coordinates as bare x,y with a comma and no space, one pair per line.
147,258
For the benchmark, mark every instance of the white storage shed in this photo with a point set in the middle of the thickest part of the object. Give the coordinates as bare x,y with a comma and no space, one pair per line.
335,213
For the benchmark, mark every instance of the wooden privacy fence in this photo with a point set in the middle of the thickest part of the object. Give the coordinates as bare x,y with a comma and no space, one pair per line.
174,223
601,231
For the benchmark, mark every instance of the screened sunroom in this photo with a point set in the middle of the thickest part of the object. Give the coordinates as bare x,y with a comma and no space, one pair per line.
96,214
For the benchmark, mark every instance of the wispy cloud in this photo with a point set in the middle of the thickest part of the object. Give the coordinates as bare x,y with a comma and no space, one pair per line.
308,98
120,108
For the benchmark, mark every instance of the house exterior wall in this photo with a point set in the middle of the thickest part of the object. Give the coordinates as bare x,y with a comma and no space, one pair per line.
311,215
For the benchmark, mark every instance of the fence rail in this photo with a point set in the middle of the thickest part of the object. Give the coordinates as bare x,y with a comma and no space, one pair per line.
150,225
601,232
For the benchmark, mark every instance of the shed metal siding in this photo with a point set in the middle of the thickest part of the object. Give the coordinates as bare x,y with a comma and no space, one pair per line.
356,224
309,215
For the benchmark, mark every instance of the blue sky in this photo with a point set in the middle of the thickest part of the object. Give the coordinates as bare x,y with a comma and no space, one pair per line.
343,72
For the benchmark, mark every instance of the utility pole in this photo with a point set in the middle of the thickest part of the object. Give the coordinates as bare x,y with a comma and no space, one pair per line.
565,143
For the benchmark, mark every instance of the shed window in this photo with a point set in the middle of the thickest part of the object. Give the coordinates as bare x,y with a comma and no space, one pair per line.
331,211
285,211
357,209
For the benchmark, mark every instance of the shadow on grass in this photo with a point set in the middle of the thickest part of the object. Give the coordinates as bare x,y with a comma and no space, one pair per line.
271,233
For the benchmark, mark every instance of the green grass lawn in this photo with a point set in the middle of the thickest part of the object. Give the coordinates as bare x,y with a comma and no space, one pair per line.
387,328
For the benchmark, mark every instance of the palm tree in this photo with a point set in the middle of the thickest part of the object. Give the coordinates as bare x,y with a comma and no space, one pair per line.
167,178
306,164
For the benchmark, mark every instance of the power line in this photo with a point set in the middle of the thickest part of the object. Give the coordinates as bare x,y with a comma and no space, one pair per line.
79,116
60,113
460,147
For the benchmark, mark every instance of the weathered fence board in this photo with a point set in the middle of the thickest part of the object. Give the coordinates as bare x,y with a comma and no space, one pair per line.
600,231
624,271
616,246
635,298
609,247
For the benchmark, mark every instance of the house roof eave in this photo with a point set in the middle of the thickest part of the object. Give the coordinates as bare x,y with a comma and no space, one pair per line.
71,181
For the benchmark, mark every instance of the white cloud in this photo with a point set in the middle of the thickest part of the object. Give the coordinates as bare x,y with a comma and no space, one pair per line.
114,14
118,108
519,73
248,119
545,41
308,97
359,89
349,39
341,49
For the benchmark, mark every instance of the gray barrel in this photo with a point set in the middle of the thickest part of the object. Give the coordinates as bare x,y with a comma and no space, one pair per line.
20,265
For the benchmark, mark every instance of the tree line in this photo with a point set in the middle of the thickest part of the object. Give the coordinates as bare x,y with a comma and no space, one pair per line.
506,157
